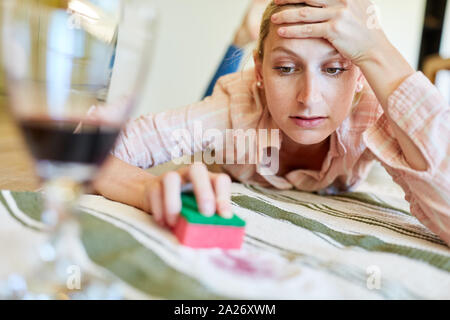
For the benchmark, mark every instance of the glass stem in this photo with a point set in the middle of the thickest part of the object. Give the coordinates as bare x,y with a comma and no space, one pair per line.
61,253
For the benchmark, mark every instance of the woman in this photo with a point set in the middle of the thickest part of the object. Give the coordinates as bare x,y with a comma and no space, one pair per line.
340,96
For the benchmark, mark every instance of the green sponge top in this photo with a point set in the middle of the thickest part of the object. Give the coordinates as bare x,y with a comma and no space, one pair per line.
191,213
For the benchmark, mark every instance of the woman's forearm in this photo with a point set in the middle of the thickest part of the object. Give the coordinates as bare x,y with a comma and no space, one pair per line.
122,182
385,69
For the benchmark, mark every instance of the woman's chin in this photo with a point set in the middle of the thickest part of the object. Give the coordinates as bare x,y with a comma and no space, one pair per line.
309,137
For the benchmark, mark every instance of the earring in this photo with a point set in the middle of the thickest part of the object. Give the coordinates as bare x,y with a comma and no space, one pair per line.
259,84
360,87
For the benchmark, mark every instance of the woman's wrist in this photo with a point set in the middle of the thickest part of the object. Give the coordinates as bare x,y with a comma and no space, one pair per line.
122,182
385,69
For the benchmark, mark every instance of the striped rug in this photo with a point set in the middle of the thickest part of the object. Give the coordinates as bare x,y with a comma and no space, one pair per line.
297,246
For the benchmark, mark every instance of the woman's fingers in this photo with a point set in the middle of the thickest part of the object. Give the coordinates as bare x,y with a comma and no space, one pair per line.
316,30
156,201
212,192
304,14
171,185
222,189
204,194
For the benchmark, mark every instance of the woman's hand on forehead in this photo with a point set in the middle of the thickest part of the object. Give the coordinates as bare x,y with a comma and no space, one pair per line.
351,26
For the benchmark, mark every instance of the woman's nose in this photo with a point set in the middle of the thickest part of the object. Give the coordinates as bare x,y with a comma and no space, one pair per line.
309,90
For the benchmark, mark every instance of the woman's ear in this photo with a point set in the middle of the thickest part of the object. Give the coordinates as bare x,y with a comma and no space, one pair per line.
258,70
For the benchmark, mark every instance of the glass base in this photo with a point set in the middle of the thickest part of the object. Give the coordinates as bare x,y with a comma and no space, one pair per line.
77,172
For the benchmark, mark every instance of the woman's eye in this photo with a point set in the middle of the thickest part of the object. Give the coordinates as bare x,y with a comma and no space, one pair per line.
285,70
334,71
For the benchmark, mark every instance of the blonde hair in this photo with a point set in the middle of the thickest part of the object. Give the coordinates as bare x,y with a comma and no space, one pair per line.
264,30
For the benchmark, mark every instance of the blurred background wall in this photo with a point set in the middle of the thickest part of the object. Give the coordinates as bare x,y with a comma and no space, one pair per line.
192,38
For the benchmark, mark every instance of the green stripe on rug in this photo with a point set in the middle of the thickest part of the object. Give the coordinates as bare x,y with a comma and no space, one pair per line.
345,215
3,201
367,198
390,226
367,242
30,203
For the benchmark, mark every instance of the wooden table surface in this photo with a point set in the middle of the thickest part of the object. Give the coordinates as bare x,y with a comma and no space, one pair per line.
16,165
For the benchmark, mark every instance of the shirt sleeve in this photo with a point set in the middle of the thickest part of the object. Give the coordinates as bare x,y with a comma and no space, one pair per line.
422,113
154,139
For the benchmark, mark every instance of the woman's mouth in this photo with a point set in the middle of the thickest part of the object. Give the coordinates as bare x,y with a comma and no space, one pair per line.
308,122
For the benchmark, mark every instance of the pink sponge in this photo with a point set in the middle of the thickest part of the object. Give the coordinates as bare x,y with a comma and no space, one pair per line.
197,231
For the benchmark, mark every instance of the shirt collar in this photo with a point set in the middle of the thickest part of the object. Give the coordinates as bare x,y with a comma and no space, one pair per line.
337,146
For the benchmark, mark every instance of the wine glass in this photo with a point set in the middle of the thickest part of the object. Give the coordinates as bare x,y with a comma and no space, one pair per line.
75,69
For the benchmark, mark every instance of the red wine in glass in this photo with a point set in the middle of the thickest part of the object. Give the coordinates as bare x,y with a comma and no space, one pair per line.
58,140
66,142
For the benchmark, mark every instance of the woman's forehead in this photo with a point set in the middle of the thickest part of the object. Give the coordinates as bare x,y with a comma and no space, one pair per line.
304,48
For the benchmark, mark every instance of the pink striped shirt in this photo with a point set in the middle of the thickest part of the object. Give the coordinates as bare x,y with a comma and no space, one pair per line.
416,106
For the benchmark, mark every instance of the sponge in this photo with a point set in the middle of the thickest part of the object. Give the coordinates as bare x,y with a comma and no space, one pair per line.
197,231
